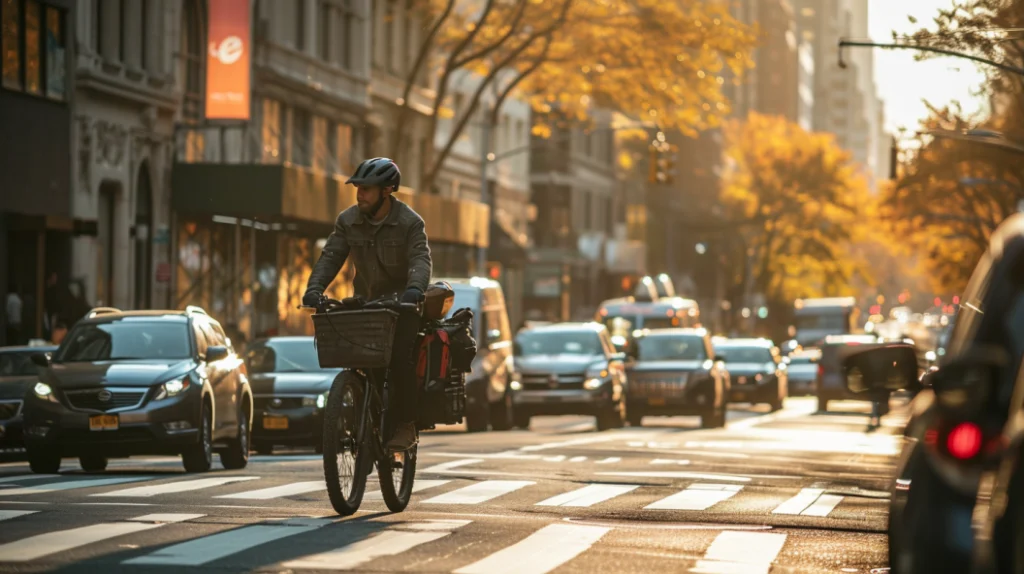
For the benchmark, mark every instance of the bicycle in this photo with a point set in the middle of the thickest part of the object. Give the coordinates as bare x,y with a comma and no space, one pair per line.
357,429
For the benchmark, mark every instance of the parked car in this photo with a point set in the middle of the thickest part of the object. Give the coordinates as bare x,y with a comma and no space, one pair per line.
674,372
958,496
18,372
570,369
803,367
488,385
125,383
289,392
830,385
756,371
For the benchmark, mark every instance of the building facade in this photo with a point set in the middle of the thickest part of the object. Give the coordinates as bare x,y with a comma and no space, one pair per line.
36,96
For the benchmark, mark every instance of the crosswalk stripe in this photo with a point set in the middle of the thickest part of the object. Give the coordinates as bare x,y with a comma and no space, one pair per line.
179,486
541,552
387,543
578,459
8,514
479,492
800,502
71,485
696,497
167,517
589,495
216,546
417,486
279,491
35,547
825,504
610,460
746,552
22,477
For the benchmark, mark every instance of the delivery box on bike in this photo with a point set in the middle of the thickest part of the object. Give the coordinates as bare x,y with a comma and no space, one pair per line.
446,354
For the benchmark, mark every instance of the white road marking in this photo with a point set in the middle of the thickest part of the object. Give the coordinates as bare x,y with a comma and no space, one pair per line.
558,458
417,486
825,504
216,546
735,552
279,491
578,459
35,547
179,486
170,517
8,514
479,492
541,552
579,441
387,543
446,466
610,460
71,485
696,497
508,454
680,474
669,461
22,477
800,502
589,495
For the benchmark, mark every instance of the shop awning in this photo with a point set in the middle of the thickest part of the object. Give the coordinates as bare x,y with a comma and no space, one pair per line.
286,193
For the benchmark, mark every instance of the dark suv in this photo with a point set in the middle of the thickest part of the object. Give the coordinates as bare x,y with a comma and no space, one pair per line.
139,383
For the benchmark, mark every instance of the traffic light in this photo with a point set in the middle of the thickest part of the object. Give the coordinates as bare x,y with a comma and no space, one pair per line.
894,160
662,163
494,270
652,164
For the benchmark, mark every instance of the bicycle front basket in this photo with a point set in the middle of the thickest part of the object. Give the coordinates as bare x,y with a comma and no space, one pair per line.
355,339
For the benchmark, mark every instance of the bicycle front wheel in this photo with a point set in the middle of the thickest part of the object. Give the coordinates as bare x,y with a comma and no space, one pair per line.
345,461
396,472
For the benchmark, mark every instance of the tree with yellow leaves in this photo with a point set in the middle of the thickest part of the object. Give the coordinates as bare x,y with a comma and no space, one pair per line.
805,204
664,62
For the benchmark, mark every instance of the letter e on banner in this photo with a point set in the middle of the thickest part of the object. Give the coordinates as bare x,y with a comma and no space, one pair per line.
227,60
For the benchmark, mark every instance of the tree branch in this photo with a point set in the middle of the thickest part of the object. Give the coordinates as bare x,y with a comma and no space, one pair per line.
486,50
500,100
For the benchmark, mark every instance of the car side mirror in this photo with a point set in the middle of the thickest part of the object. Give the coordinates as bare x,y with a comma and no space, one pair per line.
216,353
41,359
880,369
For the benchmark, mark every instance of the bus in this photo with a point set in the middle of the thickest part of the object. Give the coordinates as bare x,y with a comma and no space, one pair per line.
816,319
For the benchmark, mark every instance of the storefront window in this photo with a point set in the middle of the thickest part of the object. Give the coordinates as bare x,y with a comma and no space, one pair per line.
33,79
55,55
271,131
11,44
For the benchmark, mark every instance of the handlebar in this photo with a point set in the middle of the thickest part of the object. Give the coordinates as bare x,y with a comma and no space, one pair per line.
328,304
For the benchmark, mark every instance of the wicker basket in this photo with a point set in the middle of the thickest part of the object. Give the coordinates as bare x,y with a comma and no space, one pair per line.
355,339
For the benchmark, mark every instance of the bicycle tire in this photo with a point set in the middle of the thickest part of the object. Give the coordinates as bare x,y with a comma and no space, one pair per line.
344,406
396,497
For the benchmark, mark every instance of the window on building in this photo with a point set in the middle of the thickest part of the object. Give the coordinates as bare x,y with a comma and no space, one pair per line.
33,67
389,35
192,52
301,140
344,42
121,24
321,157
11,17
142,34
55,54
300,26
97,27
271,131
344,152
325,13
332,148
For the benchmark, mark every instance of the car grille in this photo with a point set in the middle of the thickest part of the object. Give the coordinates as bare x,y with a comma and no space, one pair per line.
542,382
666,385
9,409
263,403
92,399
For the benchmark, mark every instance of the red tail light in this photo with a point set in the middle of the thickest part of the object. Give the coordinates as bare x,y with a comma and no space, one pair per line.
821,370
964,441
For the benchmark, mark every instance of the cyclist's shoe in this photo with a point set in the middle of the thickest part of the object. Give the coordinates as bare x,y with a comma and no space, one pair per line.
404,438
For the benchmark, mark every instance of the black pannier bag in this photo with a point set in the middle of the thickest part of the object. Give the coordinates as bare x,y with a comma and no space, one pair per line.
446,356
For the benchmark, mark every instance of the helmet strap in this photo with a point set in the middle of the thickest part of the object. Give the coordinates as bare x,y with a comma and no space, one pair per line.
380,203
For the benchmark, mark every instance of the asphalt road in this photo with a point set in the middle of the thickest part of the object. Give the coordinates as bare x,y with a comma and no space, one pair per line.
791,491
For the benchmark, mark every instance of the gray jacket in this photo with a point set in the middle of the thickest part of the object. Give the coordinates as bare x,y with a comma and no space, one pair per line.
389,258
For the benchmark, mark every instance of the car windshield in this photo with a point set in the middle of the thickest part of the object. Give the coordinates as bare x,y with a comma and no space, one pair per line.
124,340
665,348
660,322
466,296
802,360
17,365
533,343
283,356
745,354
832,322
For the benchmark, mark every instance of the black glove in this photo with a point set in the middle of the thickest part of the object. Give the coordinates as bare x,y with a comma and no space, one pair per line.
312,298
412,295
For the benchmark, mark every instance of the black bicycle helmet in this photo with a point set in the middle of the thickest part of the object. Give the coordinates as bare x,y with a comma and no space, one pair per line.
380,171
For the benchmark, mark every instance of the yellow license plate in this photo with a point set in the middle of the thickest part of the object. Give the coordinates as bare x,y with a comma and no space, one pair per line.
739,396
656,401
275,423
103,422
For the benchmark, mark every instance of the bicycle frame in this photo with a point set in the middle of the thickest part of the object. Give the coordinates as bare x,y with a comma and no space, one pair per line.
371,394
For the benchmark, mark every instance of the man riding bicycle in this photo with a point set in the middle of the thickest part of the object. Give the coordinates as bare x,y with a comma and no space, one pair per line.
388,244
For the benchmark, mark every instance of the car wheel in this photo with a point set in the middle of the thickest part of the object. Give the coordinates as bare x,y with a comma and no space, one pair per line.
267,448
522,421
236,455
501,413
44,462
822,405
199,456
610,420
476,419
93,463
635,419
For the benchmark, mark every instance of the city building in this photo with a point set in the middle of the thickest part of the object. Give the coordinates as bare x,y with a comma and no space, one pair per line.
37,89
805,85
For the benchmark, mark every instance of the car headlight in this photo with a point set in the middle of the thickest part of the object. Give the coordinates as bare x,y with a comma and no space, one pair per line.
598,372
930,356
592,384
172,389
319,401
516,385
43,391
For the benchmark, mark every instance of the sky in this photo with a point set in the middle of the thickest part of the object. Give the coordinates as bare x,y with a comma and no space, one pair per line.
902,82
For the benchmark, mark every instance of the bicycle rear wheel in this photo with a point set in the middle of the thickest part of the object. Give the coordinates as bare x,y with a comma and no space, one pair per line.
396,473
345,462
